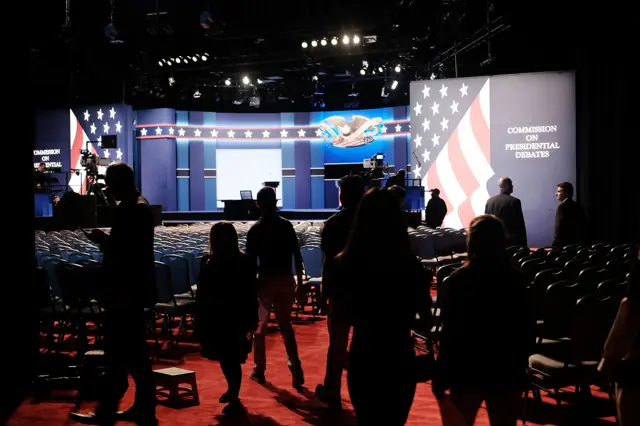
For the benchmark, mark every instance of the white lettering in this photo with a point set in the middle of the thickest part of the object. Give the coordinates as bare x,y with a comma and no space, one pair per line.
531,129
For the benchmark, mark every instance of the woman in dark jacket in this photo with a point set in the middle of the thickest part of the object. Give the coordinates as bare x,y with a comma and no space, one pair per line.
485,305
384,296
227,306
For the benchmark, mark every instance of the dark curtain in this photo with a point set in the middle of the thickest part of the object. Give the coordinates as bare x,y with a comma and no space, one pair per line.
607,148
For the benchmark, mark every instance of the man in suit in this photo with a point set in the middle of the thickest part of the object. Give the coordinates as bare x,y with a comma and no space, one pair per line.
41,178
436,210
570,218
127,284
509,209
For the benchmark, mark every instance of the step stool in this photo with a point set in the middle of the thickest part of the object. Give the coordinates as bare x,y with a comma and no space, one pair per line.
168,381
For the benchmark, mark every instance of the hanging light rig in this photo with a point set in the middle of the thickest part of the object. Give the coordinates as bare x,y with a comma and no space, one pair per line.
110,30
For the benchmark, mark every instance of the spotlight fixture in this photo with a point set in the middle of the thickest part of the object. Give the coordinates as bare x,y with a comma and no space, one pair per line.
245,80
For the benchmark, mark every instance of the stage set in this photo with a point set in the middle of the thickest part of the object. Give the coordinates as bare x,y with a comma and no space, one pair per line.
458,135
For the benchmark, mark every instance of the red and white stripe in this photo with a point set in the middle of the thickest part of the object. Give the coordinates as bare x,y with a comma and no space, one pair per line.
77,138
463,167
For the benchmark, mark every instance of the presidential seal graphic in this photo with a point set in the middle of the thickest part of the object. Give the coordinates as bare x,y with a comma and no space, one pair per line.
360,131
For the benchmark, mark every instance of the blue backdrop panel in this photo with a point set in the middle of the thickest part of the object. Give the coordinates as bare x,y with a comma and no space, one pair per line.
303,174
158,172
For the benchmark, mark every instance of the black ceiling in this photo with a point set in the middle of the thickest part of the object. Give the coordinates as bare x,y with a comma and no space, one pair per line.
262,39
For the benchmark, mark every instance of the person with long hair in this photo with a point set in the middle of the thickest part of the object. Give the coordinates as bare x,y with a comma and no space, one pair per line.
227,307
384,295
484,306
621,356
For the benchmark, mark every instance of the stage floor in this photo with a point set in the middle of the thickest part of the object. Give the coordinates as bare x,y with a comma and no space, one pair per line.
215,215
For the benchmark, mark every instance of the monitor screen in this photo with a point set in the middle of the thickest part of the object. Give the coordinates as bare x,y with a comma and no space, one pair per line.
246,195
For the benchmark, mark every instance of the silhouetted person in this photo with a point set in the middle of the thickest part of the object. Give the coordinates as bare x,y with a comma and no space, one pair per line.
380,373
399,179
570,218
127,285
621,355
227,307
334,238
508,209
40,178
436,210
497,377
272,242
400,193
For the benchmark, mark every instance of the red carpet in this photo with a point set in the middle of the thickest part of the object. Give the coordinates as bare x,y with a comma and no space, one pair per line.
276,403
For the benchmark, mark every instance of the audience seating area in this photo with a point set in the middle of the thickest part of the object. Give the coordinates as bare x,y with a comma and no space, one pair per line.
575,292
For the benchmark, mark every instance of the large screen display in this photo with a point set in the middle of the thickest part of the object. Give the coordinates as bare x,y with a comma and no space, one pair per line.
466,133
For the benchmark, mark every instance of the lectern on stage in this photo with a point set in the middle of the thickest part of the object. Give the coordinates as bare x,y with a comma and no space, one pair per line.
272,184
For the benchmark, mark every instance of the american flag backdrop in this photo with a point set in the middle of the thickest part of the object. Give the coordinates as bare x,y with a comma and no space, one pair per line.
87,126
450,143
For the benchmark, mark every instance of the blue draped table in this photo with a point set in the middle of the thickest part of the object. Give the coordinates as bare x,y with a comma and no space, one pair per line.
43,206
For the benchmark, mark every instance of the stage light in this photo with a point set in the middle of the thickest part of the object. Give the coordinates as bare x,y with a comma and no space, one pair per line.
204,57
314,43
323,42
197,94
397,68
172,81
304,45
245,80
178,60
194,59
394,84
345,39
314,78
334,41
160,63
356,39
380,69
432,76
362,72
227,82
259,81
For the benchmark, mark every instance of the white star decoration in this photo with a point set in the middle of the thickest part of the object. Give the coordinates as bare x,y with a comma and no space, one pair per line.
181,132
231,133
301,133
425,124
454,107
426,91
384,129
398,128
417,170
119,154
143,132
463,90
444,123
436,140
158,131
106,153
86,115
214,133
283,133
265,134
100,114
112,113
435,108
93,128
418,140
443,91
425,155
247,134
171,130
318,132
99,141
105,128
418,108
118,127
197,132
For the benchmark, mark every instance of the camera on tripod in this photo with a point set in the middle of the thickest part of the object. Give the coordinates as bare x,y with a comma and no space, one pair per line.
85,155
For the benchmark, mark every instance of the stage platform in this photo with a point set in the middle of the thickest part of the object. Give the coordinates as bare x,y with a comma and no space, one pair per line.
171,218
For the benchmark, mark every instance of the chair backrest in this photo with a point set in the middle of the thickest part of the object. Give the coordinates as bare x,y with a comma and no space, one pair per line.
445,271
614,288
559,304
593,319
312,259
180,272
163,283
50,267
72,280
